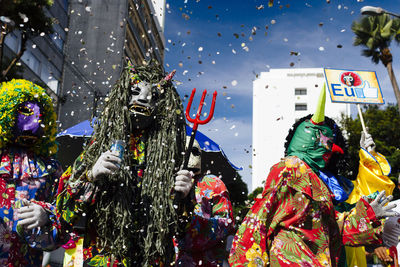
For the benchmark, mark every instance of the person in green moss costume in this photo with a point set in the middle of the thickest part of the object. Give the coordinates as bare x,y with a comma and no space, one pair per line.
129,216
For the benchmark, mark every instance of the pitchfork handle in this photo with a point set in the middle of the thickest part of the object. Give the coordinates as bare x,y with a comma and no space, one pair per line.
189,150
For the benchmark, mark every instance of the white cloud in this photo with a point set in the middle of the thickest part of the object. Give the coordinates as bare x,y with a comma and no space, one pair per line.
235,142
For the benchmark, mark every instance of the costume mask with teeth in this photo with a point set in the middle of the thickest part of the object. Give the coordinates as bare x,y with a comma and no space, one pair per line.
144,96
142,104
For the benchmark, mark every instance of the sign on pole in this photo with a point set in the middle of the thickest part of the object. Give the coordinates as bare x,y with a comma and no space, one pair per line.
353,86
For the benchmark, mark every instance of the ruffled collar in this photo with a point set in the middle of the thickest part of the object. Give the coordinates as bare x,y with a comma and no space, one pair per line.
18,163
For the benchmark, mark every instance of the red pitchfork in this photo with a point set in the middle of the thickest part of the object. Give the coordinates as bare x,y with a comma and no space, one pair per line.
196,121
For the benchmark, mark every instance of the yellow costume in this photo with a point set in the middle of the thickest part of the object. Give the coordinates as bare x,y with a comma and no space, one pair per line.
372,177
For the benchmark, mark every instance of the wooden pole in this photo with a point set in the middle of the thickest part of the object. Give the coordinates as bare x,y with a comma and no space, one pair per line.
361,119
362,123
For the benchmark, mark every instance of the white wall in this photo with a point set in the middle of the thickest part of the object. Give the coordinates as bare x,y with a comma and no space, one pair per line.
159,9
274,112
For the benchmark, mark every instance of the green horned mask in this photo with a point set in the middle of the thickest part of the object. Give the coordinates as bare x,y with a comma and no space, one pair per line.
313,141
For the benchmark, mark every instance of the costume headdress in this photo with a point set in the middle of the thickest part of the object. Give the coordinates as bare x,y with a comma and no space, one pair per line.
16,92
313,140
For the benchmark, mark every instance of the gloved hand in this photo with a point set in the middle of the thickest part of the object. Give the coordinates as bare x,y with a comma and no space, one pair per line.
367,142
378,205
32,215
106,164
183,182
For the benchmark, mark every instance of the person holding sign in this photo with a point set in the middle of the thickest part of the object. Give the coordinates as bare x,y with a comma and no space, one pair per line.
372,178
294,222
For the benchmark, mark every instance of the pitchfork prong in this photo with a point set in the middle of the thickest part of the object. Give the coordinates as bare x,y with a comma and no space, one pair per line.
196,120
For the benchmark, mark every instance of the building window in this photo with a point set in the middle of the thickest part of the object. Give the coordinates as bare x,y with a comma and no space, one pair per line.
58,36
300,106
49,75
300,91
32,62
65,5
12,42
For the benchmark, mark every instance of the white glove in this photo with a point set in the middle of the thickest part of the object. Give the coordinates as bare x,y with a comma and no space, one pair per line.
367,142
183,182
32,215
378,205
107,164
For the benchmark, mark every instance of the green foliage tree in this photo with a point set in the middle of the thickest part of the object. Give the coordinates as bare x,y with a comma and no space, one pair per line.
376,33
383,125
28,18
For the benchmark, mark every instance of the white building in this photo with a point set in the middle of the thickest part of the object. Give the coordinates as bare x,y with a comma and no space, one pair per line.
281,96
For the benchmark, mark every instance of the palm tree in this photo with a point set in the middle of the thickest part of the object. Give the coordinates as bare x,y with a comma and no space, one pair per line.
376,33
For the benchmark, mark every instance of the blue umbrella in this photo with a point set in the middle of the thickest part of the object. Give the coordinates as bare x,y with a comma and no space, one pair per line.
84,129
208,145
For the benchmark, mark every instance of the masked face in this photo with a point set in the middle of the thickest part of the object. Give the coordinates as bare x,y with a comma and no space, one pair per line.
195,157
27,126
142,104
313,144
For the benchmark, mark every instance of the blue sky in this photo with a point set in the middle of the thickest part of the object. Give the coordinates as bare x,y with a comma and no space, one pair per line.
223,46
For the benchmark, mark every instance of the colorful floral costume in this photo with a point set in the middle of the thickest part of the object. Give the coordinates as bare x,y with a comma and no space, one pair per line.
294,223
26,173
204,241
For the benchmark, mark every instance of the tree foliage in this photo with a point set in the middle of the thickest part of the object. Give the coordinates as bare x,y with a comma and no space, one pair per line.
28,17
383,125
375,33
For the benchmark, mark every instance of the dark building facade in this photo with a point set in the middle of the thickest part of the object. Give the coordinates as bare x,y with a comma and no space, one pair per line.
101,34
43,59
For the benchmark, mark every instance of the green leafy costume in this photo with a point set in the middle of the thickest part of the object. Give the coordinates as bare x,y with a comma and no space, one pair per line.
130,218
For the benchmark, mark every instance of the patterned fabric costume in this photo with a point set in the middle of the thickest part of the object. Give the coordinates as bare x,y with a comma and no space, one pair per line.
204,241
294,223
26,173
